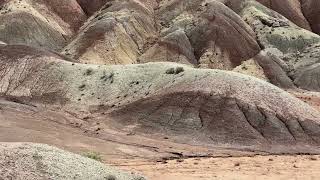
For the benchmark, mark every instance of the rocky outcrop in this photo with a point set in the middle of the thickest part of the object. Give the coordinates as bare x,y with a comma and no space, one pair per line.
275,69
212,29
91,6
37,161
290,9
174,47
252,68
203,36
117,34
39,23
67,13
295,50
311,10
304,13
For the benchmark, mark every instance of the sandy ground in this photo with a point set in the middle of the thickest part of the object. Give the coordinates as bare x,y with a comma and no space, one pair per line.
20,123
232,168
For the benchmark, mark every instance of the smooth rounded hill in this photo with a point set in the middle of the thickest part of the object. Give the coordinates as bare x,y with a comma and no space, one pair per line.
37,161
208,107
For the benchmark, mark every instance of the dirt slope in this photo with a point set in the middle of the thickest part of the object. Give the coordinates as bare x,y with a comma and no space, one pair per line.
36,161
26,123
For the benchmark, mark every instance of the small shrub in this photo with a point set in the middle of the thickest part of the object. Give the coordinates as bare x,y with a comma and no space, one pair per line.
139,178
93,155
36,156
179,70
313,158
110,177
88,72
82,87
170,71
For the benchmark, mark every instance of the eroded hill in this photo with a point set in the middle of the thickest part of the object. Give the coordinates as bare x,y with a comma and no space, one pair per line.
162,79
